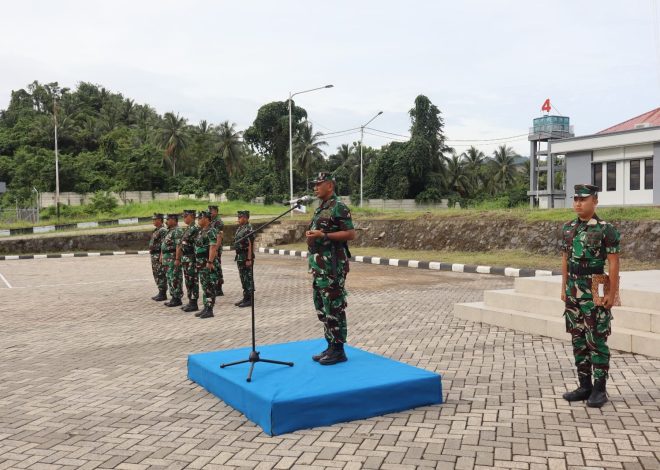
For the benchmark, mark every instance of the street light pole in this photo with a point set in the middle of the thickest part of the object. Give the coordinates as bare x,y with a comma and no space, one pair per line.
57,164
361,139
291,95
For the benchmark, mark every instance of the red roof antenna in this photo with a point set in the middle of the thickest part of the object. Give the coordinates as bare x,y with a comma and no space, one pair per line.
546,106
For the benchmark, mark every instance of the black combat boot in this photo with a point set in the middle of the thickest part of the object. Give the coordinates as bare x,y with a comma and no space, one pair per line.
208,313
245,297
317,357
191,306
174,302
582,392
201,312
335,355
598,395
220,293
162,295
247,302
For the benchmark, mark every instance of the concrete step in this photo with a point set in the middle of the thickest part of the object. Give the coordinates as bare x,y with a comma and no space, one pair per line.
633,318
624,339
639,289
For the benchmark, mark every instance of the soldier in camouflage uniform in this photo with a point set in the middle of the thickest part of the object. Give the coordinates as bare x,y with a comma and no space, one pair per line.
170,261
587,242
329,231
206,250
154,252
244,258
185,251
219,226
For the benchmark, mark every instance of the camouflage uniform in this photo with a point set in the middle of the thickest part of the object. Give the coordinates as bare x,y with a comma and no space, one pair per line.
587,244
157,268
207,277
219,226
188,265
168,248
245,272
329,264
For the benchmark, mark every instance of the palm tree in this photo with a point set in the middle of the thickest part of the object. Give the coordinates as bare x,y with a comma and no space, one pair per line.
230,146
457,176
308,147
504,170
474,159
174,138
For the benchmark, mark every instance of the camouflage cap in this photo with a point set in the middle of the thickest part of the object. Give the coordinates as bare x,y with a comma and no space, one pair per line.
243,214
157,215
213,208
173,216
584,190
324,176
189,212
201,214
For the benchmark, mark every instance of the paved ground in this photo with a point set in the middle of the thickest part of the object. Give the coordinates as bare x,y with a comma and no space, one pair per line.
93,374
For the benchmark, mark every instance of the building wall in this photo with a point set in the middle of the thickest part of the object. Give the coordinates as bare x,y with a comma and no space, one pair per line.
621,157
578,171
656,173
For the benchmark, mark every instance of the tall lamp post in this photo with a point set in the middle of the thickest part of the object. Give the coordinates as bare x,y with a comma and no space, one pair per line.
57,165
291,95
361,139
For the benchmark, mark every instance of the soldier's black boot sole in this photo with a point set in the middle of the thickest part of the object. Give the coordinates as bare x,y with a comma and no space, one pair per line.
191,307
317,357
160,297
598,395
207,314
582,392
174,303
201,312
334,356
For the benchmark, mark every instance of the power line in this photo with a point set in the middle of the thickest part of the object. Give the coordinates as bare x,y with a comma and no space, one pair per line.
454,140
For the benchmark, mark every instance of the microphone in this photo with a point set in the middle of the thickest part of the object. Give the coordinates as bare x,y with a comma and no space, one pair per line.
299,201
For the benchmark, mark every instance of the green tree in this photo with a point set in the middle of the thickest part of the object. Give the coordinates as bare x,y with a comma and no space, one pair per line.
307,148
173,138
269,135
230,146
503,173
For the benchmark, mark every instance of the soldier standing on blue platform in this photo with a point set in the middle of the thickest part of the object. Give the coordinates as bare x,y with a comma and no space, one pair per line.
330,230
185,251
154,253
219,226
244,246
587,243
169,260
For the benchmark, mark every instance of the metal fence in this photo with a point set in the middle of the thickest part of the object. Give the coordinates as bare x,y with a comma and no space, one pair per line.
12,216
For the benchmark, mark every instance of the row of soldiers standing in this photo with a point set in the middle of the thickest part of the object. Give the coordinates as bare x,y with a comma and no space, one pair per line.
193,256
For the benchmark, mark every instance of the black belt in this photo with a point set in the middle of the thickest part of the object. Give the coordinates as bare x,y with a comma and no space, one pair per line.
585,270
167,252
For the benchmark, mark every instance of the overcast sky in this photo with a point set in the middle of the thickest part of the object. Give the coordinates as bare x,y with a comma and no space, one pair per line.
488,65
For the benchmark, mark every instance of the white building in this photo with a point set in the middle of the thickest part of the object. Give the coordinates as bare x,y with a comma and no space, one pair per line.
623,160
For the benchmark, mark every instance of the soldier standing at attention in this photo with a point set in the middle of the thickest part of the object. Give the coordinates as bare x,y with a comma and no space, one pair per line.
185,251
170,261
329,231
244,246
154,252
206,249
219,226
587,241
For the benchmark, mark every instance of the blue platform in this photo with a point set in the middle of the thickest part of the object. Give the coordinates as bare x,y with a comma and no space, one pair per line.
283,399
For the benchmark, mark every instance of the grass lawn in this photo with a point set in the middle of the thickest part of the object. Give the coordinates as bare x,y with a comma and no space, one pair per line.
508,258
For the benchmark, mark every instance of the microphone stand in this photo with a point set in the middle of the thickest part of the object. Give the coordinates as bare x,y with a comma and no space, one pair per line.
254,354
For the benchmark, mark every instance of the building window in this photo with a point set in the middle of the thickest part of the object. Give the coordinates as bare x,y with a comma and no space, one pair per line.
648,173
611,176
634,175
597,175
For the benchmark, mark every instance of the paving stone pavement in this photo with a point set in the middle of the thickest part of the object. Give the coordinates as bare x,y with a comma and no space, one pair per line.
93,375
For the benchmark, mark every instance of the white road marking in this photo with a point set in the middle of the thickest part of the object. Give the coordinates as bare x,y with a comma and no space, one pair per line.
4,279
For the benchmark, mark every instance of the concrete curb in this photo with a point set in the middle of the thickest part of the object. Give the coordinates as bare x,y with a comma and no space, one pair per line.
55,228
433,265
83,254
